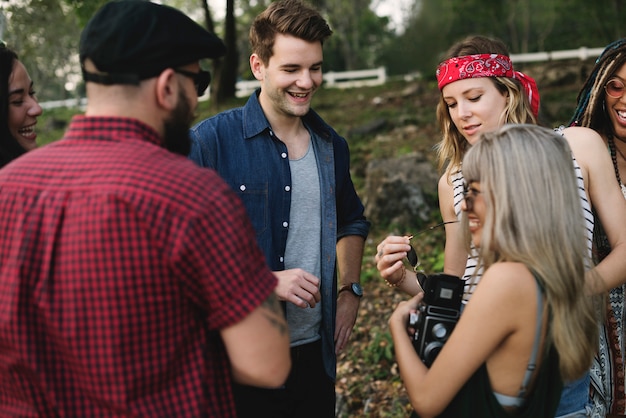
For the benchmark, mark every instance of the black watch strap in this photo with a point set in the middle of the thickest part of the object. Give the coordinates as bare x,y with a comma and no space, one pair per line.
354,288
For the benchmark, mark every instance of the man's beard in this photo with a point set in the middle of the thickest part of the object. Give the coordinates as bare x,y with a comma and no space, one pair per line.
176,128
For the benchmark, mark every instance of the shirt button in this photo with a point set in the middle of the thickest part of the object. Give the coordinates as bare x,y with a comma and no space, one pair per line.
285,224
287,188
283,154
242,187
282,259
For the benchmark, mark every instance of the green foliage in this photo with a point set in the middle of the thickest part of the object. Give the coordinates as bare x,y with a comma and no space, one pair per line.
425,36
359,35
524,25
44,34
52,123
379,349
369,275
84,9
437,261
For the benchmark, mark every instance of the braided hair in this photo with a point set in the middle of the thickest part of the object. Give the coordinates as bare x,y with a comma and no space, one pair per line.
590,110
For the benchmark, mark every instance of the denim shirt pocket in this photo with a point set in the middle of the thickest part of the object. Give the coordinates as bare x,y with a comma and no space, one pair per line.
255,199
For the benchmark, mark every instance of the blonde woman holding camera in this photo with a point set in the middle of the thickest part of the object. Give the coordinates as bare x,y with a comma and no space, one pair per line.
529,325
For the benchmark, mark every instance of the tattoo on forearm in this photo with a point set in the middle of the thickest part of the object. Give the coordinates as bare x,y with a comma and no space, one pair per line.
274,314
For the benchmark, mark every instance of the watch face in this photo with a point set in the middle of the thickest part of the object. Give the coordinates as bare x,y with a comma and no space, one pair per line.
357,289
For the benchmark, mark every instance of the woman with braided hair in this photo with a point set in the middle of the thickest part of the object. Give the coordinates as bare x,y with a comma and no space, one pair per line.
602,107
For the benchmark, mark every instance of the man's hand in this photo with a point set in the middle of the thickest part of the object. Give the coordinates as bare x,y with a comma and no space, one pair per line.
298,287
347,310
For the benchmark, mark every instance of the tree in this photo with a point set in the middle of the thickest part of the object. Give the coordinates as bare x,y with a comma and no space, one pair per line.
225,69
84,9
45,34
425,38
358,35
524,25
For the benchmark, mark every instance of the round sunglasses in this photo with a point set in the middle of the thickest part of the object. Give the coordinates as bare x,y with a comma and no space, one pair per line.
614,88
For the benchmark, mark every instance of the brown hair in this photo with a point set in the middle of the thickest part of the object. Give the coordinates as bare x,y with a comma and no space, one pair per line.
286,17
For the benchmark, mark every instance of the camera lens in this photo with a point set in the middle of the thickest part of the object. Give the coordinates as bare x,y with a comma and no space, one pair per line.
439,331
431,351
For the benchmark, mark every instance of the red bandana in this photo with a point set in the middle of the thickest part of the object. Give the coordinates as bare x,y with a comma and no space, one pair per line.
486,65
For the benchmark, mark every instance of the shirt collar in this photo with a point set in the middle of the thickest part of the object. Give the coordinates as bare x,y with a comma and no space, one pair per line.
255,122
112,128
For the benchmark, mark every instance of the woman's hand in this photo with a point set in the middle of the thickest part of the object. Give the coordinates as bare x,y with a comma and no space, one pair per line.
389,255
399,320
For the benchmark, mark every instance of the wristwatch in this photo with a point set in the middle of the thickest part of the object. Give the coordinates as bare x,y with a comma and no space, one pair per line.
354,288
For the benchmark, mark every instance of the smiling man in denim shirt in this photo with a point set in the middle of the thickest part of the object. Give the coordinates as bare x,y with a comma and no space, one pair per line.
292,172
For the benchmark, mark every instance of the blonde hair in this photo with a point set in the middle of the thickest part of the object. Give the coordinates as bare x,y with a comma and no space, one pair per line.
534,216
453,145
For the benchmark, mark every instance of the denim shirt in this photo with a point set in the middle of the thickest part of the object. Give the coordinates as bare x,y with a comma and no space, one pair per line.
240,144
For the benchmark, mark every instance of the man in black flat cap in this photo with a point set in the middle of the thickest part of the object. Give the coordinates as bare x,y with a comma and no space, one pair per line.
131,283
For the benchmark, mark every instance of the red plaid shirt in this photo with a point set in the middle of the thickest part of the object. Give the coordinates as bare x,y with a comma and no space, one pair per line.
119,264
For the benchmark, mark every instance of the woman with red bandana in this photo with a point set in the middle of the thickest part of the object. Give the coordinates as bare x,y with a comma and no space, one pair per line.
481,91
19,108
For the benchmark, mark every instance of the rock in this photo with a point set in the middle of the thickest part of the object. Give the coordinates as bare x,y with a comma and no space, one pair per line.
400,190
369,128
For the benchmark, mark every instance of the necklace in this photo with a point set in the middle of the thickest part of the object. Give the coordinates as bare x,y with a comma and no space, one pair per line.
612,151
618,150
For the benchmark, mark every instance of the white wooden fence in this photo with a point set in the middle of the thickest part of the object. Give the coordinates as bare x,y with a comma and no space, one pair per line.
375,77
341,80
581,53
79,103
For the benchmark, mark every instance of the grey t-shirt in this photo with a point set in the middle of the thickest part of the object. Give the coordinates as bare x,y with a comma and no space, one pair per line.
304,243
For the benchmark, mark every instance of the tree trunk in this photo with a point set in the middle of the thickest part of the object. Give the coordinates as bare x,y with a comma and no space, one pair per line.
228,70
215,70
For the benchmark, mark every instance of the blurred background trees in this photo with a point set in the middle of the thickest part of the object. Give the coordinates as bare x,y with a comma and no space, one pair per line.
46,32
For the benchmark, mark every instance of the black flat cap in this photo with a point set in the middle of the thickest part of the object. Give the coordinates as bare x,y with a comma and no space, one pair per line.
132,40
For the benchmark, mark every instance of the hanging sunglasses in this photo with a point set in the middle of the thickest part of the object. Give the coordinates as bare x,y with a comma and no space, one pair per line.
414,260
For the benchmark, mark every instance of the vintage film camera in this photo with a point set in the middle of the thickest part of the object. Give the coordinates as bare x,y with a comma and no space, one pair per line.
437,314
